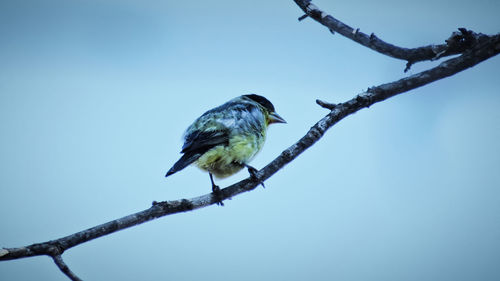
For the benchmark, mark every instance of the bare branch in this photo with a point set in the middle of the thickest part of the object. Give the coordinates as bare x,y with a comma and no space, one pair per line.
456,44
64,268
488,47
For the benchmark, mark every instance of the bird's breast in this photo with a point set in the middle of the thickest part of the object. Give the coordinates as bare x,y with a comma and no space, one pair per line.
226,160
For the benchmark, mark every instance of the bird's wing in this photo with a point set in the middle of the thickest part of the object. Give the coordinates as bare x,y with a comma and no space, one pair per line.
197,143
200,142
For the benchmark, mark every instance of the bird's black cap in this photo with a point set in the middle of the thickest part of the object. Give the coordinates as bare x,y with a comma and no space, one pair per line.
262,101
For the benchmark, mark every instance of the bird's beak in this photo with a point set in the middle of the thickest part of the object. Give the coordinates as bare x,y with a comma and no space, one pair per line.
275,118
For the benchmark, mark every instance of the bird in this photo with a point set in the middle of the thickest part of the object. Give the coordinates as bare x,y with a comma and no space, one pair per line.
223,140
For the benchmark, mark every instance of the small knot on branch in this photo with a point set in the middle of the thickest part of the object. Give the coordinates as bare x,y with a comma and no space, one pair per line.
186,205
55,250
164,205
313,11
287,155
371,91
366,99
458,42
311,7
461,40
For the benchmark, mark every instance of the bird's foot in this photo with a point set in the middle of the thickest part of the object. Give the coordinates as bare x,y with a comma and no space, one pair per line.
253,174
217,194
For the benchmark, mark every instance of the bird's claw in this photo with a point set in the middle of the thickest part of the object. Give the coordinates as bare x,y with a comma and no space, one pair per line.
253,174
217,194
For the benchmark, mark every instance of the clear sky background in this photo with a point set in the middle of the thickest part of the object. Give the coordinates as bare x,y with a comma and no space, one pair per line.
95,97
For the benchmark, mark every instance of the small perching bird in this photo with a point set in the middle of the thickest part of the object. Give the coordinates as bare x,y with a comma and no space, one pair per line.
223,140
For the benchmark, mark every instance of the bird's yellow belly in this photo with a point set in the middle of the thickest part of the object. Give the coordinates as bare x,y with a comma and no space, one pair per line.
224,161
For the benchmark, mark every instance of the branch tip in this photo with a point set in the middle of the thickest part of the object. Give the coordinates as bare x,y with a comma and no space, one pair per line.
301,18
325,104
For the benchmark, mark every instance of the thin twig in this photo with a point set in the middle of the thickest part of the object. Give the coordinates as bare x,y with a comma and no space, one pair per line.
64,268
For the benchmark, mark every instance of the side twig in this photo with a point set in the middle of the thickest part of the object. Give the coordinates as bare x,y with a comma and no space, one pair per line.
64,268
325,104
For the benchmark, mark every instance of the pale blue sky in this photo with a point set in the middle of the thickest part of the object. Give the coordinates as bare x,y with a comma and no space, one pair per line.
95,96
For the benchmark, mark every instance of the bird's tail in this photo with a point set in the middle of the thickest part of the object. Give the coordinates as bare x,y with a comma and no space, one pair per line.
185,161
